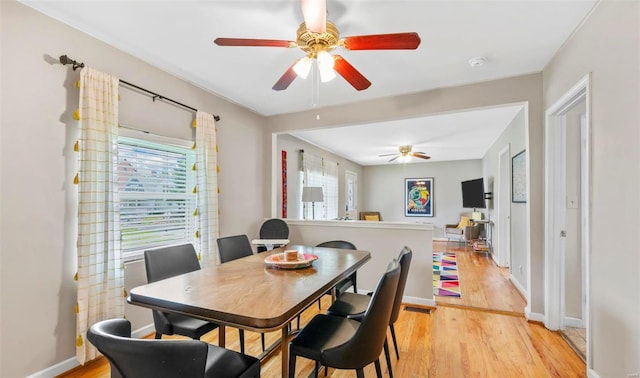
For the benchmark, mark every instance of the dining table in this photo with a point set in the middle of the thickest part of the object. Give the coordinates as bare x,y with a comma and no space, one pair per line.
260,292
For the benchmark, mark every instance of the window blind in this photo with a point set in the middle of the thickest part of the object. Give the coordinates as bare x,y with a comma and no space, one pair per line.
155,183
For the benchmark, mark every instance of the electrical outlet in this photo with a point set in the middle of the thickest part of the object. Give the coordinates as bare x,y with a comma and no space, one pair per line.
520,269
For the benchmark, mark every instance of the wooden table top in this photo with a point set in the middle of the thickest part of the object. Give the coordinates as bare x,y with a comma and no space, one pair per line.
246,293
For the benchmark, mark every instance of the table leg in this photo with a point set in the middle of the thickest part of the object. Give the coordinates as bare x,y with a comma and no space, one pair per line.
284,352
221,336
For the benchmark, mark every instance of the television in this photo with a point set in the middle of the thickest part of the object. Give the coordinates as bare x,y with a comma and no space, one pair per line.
473,194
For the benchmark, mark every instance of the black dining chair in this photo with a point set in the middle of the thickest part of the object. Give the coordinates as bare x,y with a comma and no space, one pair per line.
344,343
354,306
351,281
274,228
166,358
231,248
168,262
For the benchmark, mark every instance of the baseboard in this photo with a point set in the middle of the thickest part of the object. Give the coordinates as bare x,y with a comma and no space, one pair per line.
57,369
519,287
440,239
143,332
419,301
573,322
592,374
72,363
534,316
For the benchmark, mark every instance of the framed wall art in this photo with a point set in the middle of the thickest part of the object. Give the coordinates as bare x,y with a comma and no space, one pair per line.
519,177
418,197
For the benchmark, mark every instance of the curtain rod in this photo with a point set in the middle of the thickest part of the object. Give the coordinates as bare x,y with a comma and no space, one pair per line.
64,59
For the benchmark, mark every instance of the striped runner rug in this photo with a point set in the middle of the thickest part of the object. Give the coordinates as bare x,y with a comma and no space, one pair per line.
445,275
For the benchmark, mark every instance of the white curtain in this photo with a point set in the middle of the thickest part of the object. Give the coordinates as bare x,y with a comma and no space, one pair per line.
207,188
100,276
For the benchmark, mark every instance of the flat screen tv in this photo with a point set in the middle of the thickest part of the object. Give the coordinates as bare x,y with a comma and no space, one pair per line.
473,193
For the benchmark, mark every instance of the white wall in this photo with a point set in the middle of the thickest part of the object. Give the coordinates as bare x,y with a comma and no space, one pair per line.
293,145
514,136
37,166
608,47
384,190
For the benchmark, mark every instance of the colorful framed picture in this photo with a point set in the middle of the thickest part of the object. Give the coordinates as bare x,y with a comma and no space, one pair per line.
418,197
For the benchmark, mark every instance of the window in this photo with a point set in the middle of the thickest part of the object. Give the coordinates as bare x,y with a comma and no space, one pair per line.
155,184
321,172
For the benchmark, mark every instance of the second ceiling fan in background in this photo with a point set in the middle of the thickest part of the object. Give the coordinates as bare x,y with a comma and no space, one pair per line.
317,37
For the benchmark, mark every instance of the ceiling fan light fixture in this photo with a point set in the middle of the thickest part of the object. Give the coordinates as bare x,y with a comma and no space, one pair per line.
302,67
325,66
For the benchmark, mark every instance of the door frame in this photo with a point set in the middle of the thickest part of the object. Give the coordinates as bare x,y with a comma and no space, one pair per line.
503,209
353,213
555,206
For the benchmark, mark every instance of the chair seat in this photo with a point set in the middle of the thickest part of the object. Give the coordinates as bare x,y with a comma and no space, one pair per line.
351,305
190,327
323,332
454,230
225,363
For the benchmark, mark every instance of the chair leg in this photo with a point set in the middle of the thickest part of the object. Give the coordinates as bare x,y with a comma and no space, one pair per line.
158,335
319,305
388,356
355,283
292,365
262,340
378,369
241,337
298,321
360,373
315,371
395,343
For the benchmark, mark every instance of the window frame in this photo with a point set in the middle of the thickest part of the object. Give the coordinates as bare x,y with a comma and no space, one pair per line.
169,144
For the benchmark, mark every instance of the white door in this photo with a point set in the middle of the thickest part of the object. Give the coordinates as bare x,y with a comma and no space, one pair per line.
351,191
502,240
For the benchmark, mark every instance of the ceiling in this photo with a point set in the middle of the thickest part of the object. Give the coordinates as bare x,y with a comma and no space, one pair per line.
515,37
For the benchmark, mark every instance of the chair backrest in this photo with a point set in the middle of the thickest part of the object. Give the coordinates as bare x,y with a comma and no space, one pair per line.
366,344
404,259
234,247
168,262
145,357
370,216
274,229
337,244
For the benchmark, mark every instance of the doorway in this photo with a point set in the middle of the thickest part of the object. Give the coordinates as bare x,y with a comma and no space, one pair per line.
503,209
351,190
567,213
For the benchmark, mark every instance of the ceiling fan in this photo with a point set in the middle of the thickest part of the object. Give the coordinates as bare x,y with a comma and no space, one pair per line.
405,154
317,37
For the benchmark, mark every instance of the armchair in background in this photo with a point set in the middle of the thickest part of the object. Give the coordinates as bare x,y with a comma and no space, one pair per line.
465,230
370,216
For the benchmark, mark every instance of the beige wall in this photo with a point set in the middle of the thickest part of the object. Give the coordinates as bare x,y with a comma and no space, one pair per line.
384,190
37,165
608,47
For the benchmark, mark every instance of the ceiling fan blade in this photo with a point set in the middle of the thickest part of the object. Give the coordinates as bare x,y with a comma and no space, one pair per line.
396,41
253,42
315,15
421,156
285,80
394,158
350,74
387,155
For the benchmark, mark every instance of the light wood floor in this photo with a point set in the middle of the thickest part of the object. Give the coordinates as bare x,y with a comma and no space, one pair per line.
481,335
